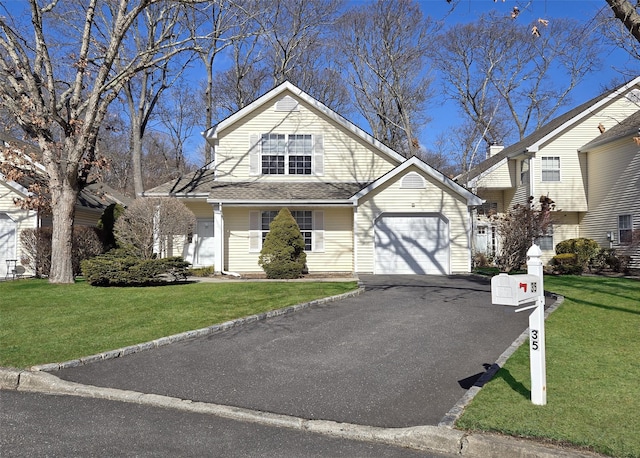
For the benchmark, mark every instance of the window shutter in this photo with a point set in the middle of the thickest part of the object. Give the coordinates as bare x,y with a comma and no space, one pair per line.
318,231
254,232
318,155
254,155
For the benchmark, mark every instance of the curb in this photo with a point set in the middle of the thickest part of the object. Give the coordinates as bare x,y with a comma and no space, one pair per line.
111,354
423,438
454,413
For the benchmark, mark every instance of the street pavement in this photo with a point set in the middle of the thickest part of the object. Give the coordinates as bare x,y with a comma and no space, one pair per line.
401,354
34,424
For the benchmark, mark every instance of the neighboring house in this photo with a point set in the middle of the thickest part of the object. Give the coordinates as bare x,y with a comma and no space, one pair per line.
361,207
585,160
92,202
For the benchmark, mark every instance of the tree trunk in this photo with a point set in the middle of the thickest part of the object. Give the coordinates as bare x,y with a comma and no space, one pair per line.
63,211
136,157
625,12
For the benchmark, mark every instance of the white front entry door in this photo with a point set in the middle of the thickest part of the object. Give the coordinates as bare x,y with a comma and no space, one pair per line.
408,244
204,253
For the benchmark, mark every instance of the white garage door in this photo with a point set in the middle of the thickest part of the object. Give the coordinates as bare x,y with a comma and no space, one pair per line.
412,244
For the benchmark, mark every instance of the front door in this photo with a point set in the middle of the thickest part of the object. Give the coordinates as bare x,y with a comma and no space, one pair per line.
204,254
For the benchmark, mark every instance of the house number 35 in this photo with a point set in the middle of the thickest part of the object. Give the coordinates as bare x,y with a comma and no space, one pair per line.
534,339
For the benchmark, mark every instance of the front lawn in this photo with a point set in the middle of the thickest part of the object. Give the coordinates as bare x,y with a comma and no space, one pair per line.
42,323
593,373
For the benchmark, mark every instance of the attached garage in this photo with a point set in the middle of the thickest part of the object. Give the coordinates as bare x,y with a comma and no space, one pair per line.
412,244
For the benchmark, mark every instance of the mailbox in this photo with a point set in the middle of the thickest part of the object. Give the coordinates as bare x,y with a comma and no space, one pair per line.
514,290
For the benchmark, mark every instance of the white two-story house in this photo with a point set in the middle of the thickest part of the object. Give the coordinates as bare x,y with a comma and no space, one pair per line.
586,160
361,207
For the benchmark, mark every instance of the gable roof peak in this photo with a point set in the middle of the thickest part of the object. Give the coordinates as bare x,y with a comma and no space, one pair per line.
212,133
532,142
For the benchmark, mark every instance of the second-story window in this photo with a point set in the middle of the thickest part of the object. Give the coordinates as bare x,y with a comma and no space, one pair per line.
290,154
273,154
550,168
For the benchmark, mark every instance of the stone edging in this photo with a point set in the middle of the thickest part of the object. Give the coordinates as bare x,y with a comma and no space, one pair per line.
424,438
454,413
214,329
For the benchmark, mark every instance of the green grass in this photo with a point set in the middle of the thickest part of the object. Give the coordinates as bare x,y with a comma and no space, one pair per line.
42,323
593,373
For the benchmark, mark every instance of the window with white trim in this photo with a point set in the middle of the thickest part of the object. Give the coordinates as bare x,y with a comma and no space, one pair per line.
290,154
488,209
524,171
311,224
273,152
625,229
545,241
550,167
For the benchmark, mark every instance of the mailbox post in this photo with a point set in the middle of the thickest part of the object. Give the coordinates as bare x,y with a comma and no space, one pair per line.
528,291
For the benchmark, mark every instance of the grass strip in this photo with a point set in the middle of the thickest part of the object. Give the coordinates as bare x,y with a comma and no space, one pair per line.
593,369
43,323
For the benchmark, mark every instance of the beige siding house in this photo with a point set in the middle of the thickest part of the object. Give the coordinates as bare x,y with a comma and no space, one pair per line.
92,202
360,206
586,161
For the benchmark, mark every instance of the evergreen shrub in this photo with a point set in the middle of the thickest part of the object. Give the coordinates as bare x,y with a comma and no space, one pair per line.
584,249
282,255
123,268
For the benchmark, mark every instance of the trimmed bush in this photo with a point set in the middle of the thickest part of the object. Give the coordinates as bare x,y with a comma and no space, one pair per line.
609,259
121,268
584,249
282,255
208,271
566,264
36,248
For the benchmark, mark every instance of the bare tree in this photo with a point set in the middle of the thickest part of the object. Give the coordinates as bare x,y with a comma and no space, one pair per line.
616,33
499,73
143,92
628,14
384,50
217,24
519,228
58,90
178,116
150,225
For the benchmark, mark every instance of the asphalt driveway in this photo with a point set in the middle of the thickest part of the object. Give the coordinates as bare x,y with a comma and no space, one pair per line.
401,354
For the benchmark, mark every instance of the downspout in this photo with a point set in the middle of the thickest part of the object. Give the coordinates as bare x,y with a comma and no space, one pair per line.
355,238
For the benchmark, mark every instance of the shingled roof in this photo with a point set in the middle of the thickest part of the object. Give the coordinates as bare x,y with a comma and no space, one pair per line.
195,183
630,126
202,183
521,146
262,191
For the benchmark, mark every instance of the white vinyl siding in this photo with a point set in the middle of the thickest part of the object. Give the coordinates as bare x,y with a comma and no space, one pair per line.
625,229
570,194
502,177
338,154
16,220
333,241
614,190
550,169
310,224
434,200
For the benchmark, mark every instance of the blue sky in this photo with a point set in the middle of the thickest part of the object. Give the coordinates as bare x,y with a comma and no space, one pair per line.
615,63
615,66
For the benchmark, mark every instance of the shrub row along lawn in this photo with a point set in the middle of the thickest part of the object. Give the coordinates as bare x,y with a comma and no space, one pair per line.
593,373
42,323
